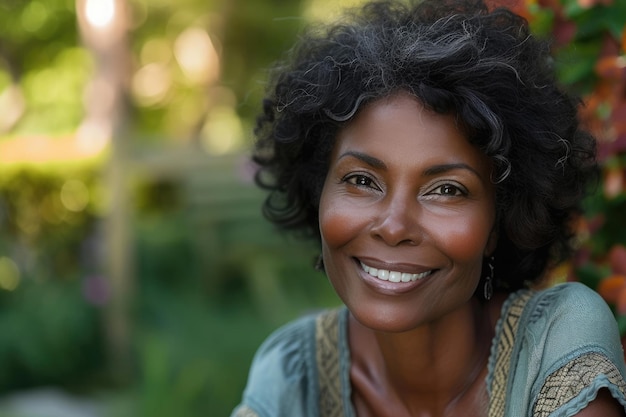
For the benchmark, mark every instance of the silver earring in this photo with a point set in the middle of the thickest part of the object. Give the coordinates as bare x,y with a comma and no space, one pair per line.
488,289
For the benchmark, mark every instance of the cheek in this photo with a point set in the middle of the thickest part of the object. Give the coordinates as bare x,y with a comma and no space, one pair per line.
340,219
337,225
465,239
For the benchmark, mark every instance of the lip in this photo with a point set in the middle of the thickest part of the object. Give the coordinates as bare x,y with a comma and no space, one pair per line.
388,287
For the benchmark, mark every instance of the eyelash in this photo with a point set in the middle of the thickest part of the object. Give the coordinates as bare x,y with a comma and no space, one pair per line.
362,180
354,179
458,190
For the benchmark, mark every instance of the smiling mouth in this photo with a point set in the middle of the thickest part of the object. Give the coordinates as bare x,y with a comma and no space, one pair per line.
394,276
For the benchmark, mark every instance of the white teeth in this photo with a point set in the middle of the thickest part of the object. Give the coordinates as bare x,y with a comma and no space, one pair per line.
393,276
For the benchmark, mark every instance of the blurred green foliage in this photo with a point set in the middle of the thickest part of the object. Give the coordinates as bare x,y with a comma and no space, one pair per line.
40,50
210,286
212,277
49,331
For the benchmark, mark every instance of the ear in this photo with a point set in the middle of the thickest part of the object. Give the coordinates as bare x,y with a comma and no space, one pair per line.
492,242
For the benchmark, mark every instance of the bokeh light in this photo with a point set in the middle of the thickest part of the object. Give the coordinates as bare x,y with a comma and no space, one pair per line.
323,10
197,56
223,131
156,50
75,195
34,16
151,84
100,13
9,274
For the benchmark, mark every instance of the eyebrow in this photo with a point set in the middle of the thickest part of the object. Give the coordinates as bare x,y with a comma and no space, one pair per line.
443,168
429,172
368,159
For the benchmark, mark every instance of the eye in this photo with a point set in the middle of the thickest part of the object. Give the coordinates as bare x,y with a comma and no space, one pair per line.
360,180
447,189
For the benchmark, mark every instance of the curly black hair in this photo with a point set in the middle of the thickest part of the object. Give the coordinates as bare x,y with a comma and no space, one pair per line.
457,57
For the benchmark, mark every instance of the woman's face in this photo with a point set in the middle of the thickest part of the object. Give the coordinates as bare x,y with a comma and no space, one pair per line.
406,215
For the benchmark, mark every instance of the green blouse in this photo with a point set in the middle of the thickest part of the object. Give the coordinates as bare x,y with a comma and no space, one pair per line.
552,351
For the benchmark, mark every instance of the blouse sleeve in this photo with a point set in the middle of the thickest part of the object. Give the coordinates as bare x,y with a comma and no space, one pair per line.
277,382
576,349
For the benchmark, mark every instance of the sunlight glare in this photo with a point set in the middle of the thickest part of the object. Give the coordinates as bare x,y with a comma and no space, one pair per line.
100,13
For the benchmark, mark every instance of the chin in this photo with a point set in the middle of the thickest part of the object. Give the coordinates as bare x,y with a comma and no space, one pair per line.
387,320
397,316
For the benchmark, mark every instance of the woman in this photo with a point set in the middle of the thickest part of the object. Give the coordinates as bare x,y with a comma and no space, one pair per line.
430,152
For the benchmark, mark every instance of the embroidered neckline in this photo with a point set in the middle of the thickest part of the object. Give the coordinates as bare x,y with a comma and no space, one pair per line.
329,330
502,351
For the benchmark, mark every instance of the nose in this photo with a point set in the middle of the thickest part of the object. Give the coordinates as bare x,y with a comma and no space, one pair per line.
398,222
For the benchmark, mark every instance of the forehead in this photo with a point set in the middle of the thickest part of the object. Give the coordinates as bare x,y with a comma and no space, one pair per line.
400,126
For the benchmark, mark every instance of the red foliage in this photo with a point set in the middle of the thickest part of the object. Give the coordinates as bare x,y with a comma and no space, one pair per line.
590,3
604,114
617,259
611,287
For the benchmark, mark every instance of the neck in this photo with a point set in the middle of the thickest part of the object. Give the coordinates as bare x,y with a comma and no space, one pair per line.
434,365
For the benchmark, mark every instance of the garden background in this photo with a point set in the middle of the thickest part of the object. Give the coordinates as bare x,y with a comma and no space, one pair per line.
137,276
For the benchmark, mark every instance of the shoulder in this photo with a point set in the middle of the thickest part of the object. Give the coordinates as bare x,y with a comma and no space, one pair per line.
567,319
286,348
571,345
571,304
282,371
570,294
